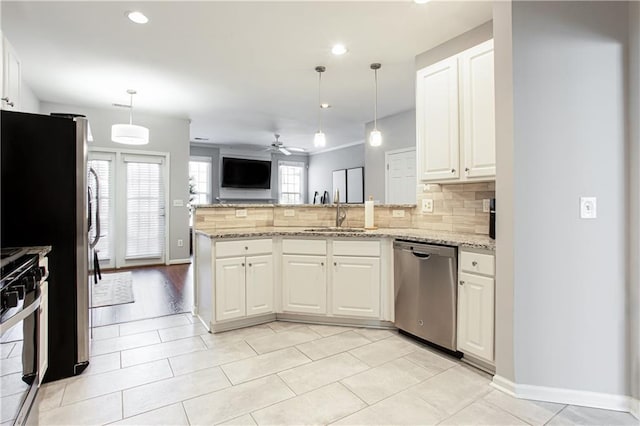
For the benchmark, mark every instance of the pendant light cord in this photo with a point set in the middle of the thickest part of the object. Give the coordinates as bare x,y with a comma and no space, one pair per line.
375,104
319,101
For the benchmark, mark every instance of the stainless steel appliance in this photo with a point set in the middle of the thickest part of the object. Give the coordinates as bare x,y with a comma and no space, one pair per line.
44,203
20,280
425,291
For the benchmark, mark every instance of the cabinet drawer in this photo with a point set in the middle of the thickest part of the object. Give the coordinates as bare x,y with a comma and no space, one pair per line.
243,247
356,248
293,246
477,263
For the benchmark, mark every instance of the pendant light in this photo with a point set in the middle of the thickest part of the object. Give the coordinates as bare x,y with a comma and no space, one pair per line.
319,139
375,137
130,134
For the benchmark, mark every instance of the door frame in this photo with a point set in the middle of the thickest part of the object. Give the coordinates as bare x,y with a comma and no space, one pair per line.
167,191
386,168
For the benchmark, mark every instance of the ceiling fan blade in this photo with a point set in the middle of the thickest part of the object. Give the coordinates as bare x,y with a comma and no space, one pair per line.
294,149
284,151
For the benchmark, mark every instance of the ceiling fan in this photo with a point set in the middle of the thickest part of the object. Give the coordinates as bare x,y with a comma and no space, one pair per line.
277,146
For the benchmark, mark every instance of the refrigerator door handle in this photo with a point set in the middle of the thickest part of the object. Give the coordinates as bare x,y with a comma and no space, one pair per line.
97,236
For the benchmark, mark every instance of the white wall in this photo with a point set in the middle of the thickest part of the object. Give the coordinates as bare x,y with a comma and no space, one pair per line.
167,134
569,117
322,165
398,131
29,102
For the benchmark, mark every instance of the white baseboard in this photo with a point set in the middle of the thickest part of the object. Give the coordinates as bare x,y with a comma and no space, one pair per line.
179,261
567,396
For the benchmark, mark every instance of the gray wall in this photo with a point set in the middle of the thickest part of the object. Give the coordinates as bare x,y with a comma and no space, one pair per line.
398,131
634,197
570,274
167,134
322,165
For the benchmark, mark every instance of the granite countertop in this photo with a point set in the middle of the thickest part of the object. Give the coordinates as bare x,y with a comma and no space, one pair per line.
421,235
293,206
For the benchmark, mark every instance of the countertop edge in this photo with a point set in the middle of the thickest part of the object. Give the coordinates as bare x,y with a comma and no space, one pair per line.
295,206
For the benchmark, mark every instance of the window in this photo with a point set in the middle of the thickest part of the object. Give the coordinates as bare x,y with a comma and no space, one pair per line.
291,178
103,168
200,180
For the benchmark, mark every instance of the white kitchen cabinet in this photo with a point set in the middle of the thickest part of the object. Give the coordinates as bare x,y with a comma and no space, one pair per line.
43,331
476,305
304,284
477,104
455,117
259,284
437,109
11,77
356,286
230,288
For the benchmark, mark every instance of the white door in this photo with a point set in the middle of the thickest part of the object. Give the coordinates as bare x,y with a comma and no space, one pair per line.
103,164
304,284
11,77
230,288
400,177
356,286
476,315
141,235
478,111
437,121
259,284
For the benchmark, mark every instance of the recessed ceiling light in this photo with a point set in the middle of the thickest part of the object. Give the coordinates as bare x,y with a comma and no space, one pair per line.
325,106
421,1
137,17
338,49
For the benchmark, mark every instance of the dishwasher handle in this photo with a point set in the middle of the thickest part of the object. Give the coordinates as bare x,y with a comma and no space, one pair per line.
422,256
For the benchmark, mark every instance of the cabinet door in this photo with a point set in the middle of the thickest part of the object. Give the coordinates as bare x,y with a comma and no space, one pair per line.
478,111
437,131
356,286
43,331
259,278
11,77
476,315
230,288
304,284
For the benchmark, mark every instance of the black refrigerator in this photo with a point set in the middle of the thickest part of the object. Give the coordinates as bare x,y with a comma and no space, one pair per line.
44,201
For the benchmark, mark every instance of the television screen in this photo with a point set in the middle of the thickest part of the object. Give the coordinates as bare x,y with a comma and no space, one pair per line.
245,173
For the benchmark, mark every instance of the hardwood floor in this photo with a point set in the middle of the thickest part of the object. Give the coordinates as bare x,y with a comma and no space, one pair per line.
158,291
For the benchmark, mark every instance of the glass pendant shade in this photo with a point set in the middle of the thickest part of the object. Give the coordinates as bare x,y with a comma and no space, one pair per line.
129,134
319,140
375,138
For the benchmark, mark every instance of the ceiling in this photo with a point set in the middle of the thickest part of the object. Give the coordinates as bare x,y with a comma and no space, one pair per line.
240,71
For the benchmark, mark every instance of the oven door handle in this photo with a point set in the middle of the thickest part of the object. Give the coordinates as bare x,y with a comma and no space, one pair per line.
20,316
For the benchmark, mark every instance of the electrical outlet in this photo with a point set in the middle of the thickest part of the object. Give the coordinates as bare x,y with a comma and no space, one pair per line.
180,243
178,203
486,203
397,213
588,208
289,213
427,205
241,212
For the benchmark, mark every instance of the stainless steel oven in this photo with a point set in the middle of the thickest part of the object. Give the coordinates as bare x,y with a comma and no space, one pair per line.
20,298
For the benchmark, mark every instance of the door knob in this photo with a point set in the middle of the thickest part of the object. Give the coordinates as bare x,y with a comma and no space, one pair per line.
6,99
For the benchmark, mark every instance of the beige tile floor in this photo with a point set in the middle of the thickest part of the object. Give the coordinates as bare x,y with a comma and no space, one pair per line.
170,371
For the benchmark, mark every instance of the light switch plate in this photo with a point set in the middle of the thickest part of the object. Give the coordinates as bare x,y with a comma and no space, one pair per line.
427,205
397,213
241,212
485,205
289,213
178,203
588,208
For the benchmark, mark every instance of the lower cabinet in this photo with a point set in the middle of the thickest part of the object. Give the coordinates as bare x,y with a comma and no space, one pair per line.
356,286
304,284
476,306
244,286
43,331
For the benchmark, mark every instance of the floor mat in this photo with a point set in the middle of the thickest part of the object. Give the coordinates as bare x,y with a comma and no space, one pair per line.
113,289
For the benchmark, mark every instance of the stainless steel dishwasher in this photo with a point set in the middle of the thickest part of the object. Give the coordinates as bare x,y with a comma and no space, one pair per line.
425,278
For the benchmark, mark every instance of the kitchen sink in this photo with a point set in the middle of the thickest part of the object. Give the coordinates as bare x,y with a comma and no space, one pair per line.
335,229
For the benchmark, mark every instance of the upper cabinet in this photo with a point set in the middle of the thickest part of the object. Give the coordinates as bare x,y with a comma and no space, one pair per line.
11,77
455,117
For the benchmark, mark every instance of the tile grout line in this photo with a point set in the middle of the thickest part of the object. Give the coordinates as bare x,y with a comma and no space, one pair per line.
482,399
557,414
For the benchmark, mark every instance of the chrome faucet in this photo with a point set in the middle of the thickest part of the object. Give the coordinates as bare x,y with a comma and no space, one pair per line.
340,216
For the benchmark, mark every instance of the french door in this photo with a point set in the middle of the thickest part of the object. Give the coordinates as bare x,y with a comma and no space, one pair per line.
132,208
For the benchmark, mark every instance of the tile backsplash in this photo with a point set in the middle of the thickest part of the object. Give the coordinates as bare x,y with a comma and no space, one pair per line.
456,207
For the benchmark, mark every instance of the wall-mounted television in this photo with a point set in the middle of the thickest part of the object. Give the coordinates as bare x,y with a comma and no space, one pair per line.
246,173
